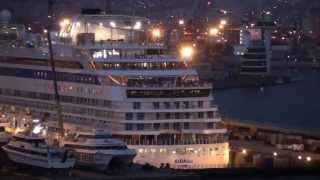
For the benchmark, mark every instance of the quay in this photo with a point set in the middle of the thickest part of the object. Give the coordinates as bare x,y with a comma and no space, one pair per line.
264,146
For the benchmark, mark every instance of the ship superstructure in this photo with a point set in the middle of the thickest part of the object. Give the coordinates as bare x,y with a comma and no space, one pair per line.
111,75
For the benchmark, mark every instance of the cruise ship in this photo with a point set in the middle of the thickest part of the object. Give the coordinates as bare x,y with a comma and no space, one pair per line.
113,74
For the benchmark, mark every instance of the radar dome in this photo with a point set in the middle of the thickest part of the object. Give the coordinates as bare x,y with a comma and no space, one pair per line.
5,16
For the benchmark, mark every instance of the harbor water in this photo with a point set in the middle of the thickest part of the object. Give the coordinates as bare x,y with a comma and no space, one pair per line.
294,106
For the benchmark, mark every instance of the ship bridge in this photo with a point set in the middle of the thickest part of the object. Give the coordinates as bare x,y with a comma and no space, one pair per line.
104,28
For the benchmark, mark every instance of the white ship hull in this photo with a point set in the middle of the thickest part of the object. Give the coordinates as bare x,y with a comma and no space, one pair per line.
37,161
202,156
123,157
92,159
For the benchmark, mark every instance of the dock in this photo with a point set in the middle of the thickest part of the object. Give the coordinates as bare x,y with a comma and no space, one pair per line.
254,145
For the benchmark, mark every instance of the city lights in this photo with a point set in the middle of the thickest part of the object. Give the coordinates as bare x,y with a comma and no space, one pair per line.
187,52
181,22
156,33
275,154
213,31
113,24
308,159
137,25
64,23
244,151
223,22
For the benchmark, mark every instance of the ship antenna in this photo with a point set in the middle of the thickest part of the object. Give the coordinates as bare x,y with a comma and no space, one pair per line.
53,70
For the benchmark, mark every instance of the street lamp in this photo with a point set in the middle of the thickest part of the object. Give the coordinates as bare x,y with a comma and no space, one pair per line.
64,23
244,151
181,22
187,52
308,159
223,22
213,31
275,154
156,33
137,25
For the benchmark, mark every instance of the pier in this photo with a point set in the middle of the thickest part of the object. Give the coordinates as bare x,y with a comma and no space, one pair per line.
254,145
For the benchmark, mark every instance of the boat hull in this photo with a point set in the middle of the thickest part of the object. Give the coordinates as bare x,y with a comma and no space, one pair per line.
198,156
37,161
97,160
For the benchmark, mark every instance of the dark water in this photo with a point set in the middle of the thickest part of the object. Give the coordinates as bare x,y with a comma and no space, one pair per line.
295,105
271,178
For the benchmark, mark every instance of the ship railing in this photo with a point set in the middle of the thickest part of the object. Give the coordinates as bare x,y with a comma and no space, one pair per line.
167,84
122,44
198,166
131,57
175,142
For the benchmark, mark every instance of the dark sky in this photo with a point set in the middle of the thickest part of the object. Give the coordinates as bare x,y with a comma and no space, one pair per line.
25,10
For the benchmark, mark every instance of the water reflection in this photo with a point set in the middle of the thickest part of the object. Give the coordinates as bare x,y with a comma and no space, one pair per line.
295,105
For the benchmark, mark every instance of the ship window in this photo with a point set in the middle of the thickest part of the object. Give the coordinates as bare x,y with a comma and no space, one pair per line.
187,115
210,125
200,104
200,115
129,116
177,105
156,126
210,114
128,127
168,116
140,126
166,126
186,125
140,116
156,105
176,126
186,104
136,105
167,105
177,115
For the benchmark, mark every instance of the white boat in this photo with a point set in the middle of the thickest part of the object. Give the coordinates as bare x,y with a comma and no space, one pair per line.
97,149
32,151
113,75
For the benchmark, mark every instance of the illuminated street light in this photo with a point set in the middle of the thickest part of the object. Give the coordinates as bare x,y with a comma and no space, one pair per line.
156,33
181,22
187,52
64,22
308,159
299,157
213,31
221,26
244,151
275,154
113,24
223,22
137,25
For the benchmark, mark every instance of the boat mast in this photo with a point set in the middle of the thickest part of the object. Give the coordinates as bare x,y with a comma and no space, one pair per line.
53,70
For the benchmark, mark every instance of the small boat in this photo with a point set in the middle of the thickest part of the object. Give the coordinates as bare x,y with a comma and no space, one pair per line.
97,149
33,151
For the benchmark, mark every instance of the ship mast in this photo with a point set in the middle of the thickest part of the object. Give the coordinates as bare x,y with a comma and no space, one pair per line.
53,70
